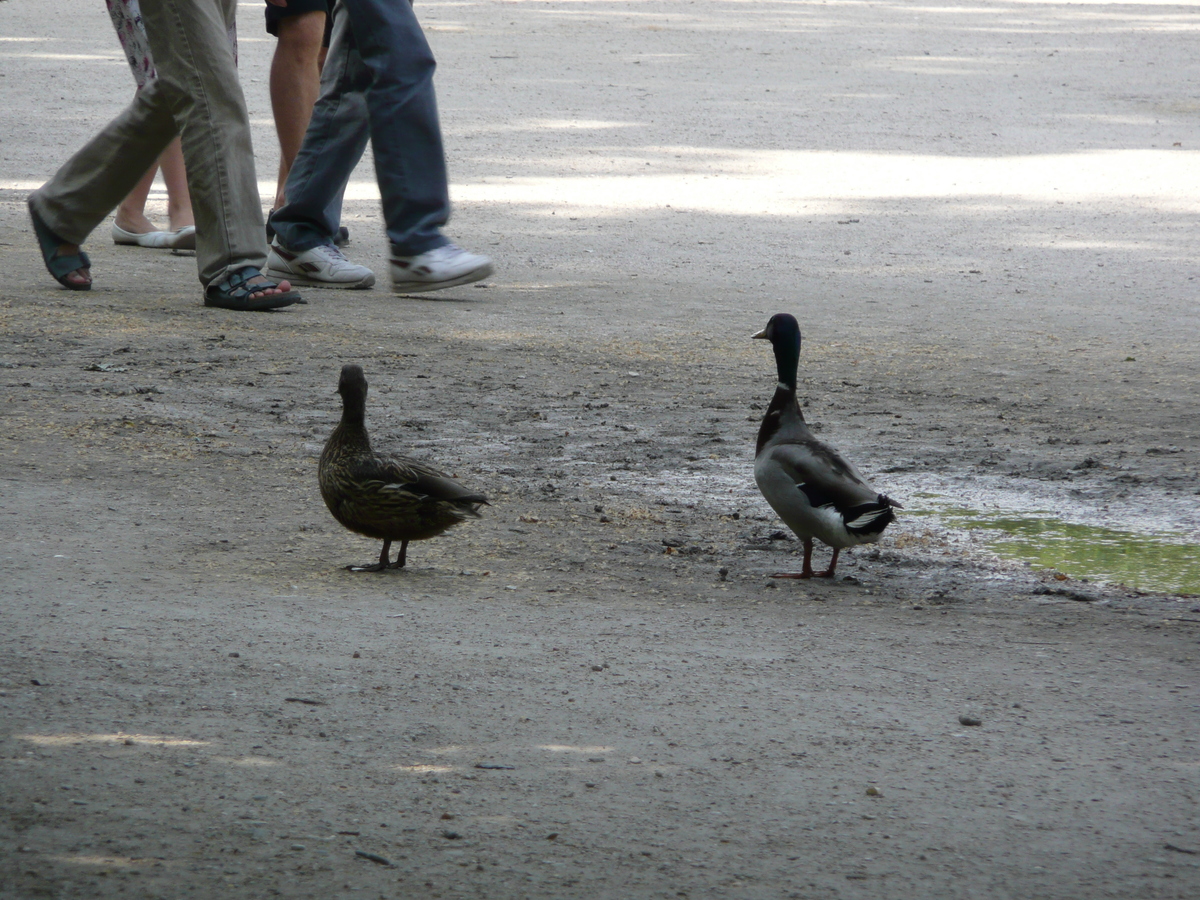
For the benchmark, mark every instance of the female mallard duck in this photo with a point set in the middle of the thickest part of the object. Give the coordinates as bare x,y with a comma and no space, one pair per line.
389,498
815,490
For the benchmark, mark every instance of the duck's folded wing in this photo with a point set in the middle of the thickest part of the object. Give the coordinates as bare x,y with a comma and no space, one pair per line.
825,476
422,481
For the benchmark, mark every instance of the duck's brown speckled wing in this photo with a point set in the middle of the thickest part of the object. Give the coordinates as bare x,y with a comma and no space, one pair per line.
424,480
398,498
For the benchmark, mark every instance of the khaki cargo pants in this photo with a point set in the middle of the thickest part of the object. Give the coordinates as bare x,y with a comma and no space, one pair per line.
196,94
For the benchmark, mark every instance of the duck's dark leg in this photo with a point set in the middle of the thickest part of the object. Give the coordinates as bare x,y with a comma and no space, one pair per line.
400,560
828,573
806,569
379,566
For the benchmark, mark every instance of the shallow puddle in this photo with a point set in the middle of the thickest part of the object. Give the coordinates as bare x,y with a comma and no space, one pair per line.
1150,562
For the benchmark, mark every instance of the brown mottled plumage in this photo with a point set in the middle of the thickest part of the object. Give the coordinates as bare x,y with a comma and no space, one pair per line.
389,498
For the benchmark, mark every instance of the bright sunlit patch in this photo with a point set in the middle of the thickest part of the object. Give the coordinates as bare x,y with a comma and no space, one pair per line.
248,761
571,748
804,183
448,750
580,124
423,769
112,862
71,739
105,56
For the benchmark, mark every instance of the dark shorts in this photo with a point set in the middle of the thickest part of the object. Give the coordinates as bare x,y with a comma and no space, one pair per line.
295,8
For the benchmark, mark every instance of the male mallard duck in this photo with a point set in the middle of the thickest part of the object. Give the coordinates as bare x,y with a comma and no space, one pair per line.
389,498
815,490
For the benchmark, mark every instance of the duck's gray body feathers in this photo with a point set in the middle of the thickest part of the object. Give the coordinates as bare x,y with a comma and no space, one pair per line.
813,488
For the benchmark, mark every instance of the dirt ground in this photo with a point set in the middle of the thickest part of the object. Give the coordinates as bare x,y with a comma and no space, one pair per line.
984,217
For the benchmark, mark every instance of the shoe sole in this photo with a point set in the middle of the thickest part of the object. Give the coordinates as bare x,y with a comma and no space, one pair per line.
151,240
418,287
183,241
360,285
262,304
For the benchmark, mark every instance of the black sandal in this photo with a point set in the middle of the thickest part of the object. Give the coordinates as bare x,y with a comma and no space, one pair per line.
235,293
58,265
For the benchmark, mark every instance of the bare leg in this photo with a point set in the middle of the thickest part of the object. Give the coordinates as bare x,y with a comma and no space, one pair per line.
131,214
295,83
380,566
179,201
806,569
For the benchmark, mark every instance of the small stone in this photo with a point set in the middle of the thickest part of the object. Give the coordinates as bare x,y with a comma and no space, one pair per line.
298,847
234,655
873,791
356,655
635,761
969,720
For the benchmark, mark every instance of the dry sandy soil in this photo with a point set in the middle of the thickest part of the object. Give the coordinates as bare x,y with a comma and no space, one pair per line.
984,217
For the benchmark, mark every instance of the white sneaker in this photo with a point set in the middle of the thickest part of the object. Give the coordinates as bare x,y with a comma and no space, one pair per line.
439,268
322,266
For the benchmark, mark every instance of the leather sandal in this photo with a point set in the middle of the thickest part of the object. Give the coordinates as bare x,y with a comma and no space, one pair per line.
235,293
58,265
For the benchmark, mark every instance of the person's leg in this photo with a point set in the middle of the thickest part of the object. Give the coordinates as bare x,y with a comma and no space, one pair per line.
406,136
198,76
131,212
295,84
93,181
334,143
179,201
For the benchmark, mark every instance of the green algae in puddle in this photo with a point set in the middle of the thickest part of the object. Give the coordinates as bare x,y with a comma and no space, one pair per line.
1143,561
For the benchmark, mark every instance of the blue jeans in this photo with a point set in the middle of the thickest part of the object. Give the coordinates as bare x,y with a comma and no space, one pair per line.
377,82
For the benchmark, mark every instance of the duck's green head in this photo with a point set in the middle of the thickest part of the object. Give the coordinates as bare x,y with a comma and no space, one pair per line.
783,331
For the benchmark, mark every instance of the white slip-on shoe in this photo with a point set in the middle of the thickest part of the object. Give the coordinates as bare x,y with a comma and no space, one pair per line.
321,266
183,239
439,268
154,240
